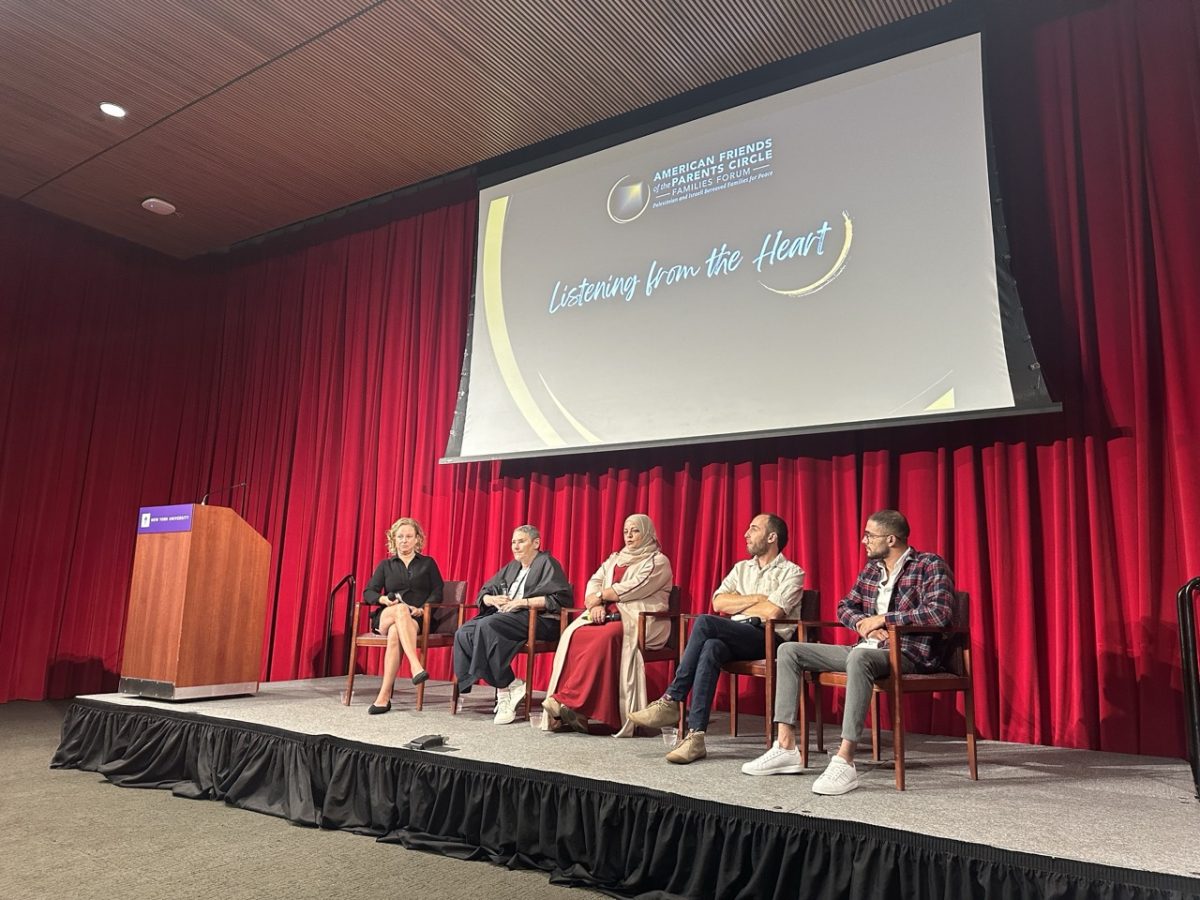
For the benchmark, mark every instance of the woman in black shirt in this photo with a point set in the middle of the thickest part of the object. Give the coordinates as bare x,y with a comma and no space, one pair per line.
400,588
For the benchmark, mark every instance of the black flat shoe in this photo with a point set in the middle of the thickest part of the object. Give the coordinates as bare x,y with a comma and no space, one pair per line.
574,720
421,677
374,710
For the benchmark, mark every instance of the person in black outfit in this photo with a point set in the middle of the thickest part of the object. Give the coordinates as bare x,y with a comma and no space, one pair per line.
533,584
400,588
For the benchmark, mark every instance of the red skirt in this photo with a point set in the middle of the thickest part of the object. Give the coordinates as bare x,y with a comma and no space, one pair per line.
590,674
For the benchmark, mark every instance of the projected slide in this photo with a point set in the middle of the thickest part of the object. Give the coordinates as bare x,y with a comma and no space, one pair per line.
823,256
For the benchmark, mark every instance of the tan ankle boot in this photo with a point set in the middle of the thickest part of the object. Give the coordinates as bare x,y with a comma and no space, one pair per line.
690,749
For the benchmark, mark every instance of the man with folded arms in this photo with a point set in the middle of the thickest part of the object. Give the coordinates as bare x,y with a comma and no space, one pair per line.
767,586
899,585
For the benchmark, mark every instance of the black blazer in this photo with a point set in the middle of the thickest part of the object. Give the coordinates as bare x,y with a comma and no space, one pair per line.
546,579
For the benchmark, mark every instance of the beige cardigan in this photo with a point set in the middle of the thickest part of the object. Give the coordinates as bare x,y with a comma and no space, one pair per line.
645,587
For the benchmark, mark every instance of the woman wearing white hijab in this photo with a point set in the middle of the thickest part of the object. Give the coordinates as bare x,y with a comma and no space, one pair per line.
598,676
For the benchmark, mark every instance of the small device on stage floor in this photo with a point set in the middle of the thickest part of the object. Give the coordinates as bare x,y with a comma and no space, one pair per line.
426,742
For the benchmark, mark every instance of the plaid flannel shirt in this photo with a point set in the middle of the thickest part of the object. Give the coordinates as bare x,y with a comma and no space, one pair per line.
921,597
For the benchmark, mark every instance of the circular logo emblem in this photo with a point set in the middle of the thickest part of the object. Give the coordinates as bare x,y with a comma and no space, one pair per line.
628,199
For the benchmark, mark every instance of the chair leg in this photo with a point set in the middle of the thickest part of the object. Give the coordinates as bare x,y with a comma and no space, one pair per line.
682,706
529,683
802,720
898,733
820,717
349,692
454,697
421,693
733,705
969,710
424,655
769,706
875,726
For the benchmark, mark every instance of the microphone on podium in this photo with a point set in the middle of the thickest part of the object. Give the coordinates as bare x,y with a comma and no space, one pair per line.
232,487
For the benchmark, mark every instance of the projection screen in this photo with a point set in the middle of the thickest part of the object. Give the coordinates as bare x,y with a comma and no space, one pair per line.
818,259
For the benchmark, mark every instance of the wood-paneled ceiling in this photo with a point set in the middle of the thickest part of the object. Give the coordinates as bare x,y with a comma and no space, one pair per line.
249,115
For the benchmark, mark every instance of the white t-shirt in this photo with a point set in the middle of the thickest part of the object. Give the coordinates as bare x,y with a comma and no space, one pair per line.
883,600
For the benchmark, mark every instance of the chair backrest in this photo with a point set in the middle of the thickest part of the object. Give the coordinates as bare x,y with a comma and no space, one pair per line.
454,593
810,611
673,609
956,646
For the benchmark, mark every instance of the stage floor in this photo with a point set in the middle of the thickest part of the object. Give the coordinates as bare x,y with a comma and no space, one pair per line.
1133,812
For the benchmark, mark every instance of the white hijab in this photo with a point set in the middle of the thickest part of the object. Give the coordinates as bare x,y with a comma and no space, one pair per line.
647,546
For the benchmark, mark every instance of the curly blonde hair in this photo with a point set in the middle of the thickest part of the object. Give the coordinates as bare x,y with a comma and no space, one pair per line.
392,535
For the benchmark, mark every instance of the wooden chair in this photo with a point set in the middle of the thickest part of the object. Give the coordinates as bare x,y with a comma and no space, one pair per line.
810,606
672,651
452,598
954,676
532,647
529,650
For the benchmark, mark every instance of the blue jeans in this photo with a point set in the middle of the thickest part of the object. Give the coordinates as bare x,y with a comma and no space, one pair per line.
714,641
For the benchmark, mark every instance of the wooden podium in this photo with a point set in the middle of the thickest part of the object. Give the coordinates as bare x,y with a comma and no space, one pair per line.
197,604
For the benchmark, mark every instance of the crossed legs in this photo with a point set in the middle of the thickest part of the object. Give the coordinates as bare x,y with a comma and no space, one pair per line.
400,627
713,642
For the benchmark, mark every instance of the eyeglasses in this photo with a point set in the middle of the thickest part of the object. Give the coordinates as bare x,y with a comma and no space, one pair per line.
868,537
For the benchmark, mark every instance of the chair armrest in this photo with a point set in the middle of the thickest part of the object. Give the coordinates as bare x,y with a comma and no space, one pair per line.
804,626
641,624
896,637
768,627
808,623
769,644
929,629
778,621
356,618
425,619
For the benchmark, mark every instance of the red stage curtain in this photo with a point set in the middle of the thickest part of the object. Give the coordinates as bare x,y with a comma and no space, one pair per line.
327,378
101,343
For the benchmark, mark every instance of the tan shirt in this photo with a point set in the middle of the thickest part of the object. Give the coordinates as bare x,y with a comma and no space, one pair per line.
781,580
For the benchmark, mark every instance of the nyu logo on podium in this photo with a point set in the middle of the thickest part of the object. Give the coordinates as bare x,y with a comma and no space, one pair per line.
160,519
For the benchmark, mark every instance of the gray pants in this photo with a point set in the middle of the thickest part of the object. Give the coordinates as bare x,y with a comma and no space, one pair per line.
862,665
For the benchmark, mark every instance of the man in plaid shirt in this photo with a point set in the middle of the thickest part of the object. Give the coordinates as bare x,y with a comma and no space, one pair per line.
899,585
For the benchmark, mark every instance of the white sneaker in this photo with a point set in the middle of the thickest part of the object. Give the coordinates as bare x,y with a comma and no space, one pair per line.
516,693
839,778
775,761
507,701
504,709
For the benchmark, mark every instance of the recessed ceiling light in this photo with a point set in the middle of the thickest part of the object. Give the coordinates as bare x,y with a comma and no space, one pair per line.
111,109
158,206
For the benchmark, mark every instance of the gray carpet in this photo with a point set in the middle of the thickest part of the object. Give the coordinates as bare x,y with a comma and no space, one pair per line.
69,834
1096,807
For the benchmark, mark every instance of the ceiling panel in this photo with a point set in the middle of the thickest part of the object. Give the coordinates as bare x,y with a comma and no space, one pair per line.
251,116
58,60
